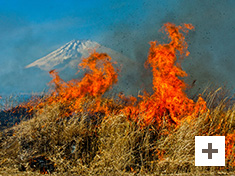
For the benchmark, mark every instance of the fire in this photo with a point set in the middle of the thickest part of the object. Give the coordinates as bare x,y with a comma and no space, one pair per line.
168,102
169,99
73,95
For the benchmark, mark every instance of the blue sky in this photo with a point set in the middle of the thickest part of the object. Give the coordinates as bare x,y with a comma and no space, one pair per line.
68,19
45,25
32,29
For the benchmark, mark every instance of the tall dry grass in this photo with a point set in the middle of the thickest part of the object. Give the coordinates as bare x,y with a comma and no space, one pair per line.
89,144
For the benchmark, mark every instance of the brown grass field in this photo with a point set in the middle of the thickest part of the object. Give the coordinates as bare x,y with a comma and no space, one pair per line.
113,145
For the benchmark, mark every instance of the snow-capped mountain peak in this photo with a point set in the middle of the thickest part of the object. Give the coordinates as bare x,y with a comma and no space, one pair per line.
74,49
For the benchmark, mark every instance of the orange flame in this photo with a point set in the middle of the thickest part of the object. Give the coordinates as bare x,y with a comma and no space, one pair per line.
169,98
99,78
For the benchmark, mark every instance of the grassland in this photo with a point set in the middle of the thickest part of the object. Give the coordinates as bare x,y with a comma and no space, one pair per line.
89,144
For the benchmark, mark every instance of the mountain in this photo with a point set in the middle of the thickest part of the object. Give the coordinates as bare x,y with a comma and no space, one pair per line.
66,59
71,53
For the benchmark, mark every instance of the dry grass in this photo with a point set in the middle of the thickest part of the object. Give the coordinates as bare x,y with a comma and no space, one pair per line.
86,144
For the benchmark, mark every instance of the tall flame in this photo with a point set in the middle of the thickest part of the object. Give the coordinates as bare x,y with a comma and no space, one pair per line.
99,78
169,99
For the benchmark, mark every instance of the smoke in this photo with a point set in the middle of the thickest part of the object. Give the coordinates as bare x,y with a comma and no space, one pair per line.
211,60
211,44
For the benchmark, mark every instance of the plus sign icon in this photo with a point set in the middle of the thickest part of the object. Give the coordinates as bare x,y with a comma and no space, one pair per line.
209,150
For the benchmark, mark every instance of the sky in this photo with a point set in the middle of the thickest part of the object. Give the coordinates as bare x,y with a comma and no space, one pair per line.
30,30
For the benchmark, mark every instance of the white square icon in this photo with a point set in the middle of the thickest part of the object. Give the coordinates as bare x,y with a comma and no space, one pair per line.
209,150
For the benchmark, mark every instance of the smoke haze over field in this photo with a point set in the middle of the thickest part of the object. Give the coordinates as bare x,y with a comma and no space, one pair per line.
211,44
30,30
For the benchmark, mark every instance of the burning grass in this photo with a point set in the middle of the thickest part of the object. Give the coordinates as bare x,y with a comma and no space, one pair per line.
77,130
113,145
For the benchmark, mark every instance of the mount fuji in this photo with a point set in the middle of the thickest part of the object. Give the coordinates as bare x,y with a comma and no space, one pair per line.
66,59
71,53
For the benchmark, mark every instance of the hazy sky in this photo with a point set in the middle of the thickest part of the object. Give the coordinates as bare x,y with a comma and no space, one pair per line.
31,29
